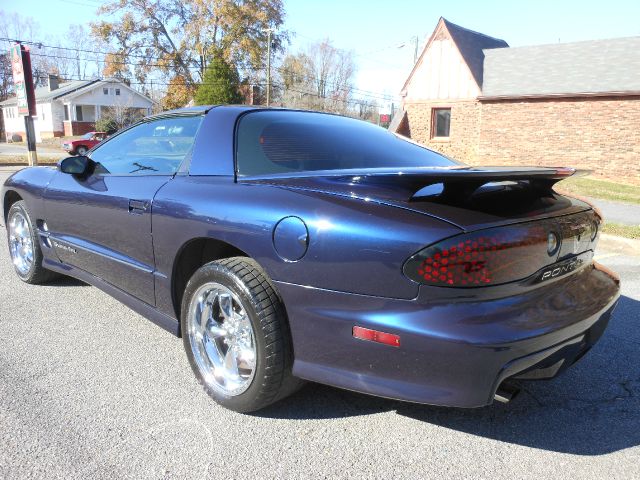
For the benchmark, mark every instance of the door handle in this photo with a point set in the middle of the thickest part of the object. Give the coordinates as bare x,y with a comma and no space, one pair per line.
138,206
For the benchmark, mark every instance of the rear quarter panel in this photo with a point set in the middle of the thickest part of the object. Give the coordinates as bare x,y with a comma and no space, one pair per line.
353,246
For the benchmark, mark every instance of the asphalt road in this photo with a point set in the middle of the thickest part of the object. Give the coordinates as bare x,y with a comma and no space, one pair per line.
89,389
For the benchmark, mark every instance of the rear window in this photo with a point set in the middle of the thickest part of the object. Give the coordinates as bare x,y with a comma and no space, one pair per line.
280,142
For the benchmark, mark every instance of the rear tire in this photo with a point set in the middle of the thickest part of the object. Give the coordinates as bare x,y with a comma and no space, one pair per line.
230,309
24,246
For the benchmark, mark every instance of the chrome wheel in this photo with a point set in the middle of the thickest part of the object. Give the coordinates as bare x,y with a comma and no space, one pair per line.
222,339
20,243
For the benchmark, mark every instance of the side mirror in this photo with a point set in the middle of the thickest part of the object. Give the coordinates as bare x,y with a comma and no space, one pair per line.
78,165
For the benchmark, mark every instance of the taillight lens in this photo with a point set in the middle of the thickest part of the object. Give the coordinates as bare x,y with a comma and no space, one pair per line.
487,257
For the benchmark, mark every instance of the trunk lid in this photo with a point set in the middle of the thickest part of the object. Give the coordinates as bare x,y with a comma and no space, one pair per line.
470,198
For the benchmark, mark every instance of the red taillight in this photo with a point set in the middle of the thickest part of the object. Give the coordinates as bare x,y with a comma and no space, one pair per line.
487,257
565,171
376,336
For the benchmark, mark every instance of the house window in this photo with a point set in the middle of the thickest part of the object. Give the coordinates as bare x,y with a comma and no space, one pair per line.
66,112
117,91
441,122
79,113
105,91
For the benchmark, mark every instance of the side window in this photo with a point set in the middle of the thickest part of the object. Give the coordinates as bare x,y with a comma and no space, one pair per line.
151,148
441,122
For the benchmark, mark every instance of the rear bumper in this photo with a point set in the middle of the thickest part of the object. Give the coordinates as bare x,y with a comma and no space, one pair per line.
452,352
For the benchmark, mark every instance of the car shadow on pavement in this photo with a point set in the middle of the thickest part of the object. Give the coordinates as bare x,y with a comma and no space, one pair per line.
592,409
65,281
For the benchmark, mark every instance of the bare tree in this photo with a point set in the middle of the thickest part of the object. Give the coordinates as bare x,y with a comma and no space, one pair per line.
122,112
75,55
6,77
320,78
368,110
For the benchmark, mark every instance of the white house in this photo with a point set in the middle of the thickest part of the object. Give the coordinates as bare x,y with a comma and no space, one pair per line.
71,108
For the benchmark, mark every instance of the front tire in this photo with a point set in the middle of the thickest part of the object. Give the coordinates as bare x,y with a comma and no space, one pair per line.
81,150
236,335
24,246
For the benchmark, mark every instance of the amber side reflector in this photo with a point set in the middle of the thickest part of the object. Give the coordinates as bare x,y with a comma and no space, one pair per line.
376,336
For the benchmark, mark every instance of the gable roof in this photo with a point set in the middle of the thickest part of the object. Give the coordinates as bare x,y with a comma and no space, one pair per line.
470,44
579,68
44,95
72,89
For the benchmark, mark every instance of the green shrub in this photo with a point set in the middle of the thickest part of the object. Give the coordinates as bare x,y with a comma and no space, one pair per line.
108,125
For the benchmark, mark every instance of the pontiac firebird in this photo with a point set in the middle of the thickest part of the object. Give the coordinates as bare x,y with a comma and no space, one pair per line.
286,245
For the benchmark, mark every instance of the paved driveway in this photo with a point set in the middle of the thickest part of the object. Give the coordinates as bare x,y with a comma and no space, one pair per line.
617,212
89,389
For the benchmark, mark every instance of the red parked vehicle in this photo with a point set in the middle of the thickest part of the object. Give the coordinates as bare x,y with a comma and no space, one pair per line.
83,144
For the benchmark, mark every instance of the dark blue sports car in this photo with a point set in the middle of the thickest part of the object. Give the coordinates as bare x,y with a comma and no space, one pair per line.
287,245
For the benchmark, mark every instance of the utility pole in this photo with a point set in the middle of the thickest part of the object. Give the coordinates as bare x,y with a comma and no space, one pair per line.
415,40
269,31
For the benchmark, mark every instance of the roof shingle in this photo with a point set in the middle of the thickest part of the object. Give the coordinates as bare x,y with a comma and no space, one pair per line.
472,46
591,67
44,95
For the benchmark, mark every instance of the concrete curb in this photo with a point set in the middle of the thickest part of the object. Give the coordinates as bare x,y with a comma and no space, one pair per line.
617,244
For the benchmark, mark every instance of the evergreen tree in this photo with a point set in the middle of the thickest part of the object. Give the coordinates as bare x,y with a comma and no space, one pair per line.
219,85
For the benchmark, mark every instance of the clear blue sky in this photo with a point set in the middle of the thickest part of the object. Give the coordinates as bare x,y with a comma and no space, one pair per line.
373,29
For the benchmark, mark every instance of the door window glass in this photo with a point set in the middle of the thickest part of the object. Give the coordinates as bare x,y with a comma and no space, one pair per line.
151,148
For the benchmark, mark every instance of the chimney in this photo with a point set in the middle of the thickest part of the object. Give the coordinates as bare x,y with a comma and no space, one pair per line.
52,81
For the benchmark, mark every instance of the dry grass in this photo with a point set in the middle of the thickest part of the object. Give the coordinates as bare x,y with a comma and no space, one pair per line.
43,159
627,231
603,189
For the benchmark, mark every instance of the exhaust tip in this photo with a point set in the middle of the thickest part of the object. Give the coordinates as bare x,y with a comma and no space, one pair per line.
506,392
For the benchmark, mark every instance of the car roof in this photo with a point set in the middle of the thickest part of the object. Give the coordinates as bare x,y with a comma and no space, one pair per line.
203,109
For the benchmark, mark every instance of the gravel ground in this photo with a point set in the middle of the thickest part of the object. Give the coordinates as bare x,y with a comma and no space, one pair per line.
89,389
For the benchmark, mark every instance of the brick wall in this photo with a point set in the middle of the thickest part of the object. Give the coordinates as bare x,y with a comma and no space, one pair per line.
463,140
602,134
78,128
597,133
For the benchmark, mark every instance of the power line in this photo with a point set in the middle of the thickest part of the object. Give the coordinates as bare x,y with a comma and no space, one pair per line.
380,95
114,61
362,55
361,92
364,93
42,45
154,82
73,2
335,99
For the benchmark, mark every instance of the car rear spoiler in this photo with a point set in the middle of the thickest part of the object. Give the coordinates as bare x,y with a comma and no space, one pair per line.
462,182
458,184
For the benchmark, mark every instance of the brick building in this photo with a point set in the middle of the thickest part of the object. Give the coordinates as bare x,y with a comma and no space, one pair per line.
472,97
